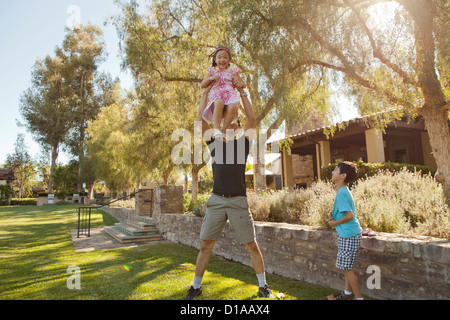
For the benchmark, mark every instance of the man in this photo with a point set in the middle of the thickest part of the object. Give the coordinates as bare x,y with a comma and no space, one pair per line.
229,198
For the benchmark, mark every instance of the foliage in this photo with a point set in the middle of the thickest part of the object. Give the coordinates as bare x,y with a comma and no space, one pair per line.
24,168
109,147
23,202
197,207
65,178
66,93
167,48
371,169
44,108
5,193
404,202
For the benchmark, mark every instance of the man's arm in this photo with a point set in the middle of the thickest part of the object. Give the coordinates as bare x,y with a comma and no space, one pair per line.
348,217
201,109
208,80
250,124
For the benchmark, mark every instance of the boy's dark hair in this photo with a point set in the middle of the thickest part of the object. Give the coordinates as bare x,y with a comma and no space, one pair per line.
214,54
349,168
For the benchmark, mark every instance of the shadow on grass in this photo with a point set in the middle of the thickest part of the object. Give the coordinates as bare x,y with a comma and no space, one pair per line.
36,251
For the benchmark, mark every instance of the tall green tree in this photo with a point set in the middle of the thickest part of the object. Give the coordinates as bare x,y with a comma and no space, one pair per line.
81,53
170,43
109,145
400,64
45,109
23,165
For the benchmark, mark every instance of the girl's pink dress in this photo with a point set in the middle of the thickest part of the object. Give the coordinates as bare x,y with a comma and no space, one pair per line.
222,89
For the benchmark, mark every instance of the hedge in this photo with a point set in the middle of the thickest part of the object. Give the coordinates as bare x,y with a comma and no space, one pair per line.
371,169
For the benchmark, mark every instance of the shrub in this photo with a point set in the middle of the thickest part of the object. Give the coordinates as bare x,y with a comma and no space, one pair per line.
24,202
406,202
197,207
370,169
277,206
402,202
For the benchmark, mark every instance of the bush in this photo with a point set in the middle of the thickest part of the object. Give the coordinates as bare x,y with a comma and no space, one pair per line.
197,207
402,202
406,202
370,169
24,202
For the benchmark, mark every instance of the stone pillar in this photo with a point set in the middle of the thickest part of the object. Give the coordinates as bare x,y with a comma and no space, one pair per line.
375,146
167,199
323,155
287,179
144,203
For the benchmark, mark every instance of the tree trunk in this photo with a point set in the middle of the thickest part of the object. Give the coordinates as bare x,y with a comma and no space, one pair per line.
437,124
194,182
195,170
259,168
167,175
435,108
185,191
52,168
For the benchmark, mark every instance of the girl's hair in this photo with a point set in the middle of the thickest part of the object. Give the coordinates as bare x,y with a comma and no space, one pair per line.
348,168
214,54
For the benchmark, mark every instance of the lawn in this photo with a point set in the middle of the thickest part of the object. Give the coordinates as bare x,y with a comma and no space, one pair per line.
36,251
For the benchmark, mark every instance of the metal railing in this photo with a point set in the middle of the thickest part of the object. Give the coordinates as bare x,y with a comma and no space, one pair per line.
84,221
84,215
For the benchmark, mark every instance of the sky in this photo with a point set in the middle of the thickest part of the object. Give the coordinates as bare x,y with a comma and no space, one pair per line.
31,29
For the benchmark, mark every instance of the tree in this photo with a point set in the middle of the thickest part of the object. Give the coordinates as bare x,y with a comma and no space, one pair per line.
45,109
81,53
65,178
171,43
108,147
23,166
402,65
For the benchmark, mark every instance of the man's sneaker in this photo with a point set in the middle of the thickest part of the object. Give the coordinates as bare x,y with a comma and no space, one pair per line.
265,292
192,293
341,296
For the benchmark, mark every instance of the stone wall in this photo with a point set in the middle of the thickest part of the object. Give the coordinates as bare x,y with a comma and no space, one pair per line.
119,213
302,169
388,266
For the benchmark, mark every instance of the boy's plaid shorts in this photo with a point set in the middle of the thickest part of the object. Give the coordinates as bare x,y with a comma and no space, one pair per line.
348,249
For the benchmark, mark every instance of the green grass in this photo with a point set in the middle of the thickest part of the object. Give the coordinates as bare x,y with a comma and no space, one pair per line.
36,250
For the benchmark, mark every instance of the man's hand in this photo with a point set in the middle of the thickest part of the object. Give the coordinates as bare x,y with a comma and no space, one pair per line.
239,83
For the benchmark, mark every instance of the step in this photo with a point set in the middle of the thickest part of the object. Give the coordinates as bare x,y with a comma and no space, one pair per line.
123,237
141,224
136,231
145,219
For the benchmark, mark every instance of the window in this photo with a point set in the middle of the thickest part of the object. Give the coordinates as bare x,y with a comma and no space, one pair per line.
400,154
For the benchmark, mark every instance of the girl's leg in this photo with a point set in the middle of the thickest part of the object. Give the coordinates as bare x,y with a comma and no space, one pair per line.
229,115
218,113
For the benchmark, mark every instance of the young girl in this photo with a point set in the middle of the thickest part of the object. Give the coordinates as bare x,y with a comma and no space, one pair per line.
222,96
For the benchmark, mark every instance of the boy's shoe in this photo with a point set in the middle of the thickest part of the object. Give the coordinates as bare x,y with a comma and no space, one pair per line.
265,292
192,293
341,296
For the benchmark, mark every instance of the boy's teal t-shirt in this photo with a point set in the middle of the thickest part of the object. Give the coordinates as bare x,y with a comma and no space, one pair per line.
342,203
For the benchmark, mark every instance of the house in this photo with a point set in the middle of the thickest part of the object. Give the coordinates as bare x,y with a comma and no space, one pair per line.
6,177
400,142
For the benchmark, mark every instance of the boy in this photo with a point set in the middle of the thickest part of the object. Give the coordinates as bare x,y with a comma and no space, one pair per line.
343,218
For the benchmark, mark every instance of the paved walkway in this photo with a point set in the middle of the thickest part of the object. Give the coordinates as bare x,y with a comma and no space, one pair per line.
100,240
